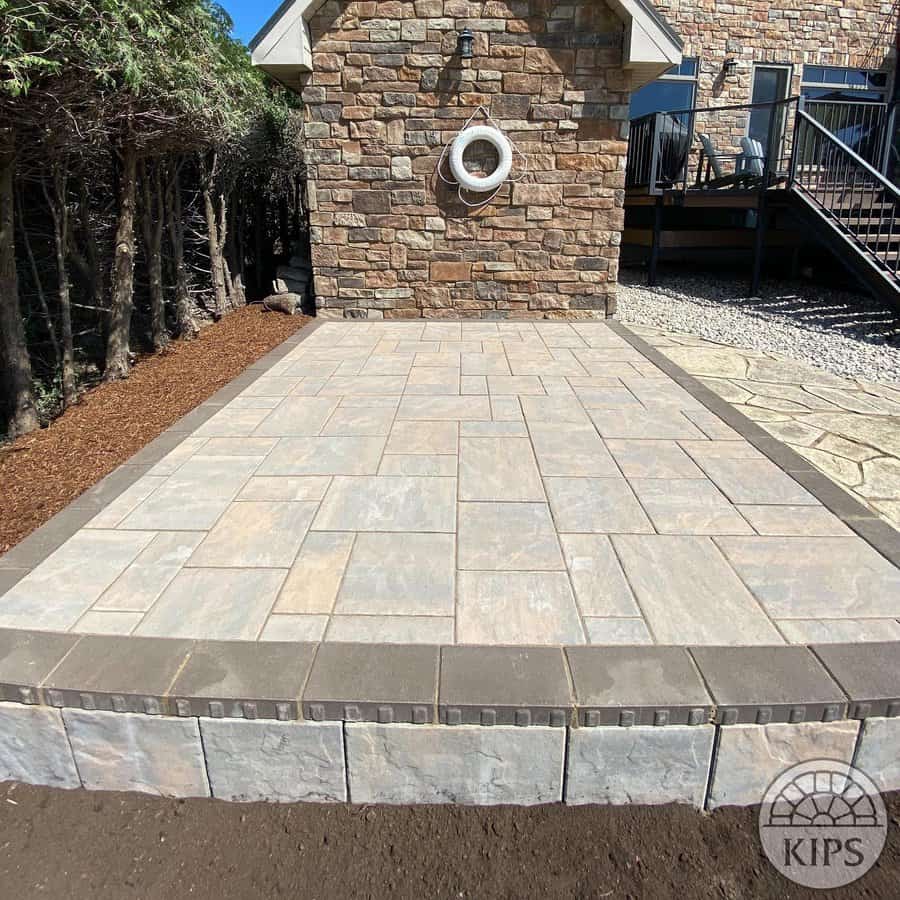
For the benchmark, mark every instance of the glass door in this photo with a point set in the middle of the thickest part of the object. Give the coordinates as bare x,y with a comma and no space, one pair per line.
766,125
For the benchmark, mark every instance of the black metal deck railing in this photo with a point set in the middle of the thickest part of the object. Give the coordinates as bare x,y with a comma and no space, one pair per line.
847,189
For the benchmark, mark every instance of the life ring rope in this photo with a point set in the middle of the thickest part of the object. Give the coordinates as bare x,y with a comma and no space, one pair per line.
489,135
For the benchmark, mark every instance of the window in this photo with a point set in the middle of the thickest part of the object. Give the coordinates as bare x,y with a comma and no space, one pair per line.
833,83
675,89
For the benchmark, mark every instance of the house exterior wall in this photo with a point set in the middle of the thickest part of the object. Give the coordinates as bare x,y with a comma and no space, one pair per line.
387,93
845,33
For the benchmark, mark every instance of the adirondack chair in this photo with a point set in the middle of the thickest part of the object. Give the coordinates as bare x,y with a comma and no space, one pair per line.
755,158
710,165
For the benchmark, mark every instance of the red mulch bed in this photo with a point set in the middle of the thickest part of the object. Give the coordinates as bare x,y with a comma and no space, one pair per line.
42,472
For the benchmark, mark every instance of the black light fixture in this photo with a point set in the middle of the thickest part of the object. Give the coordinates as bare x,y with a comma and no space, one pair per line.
464,44
730,66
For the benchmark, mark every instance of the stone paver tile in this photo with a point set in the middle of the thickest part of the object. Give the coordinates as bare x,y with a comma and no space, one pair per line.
181,454
515,384
881,479
389,504
493,429
652,424
311,368
55,594
368,401
557,386
517,608
688,506
599,582
308,387
423,437
869,676
608,398
554,409
711,425
399,575
720,450
304,629
126,502
209,478
262,534
652,459
214,604
755,481
437,409
297,417
138,587
442,331
816,577
103,622
233,421
324,456
498,469
808,521
437,359
622,632
506,409
484,364
414,347
353,421
512,537
388,364
417,464
574,450
837,631
285,487
313,582
244,446
391,629
272,386
689,594
362,385
559,368
473,384
169,509
596,505
434,381
467,345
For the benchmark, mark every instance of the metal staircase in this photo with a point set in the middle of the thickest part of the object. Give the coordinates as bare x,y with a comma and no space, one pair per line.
851,206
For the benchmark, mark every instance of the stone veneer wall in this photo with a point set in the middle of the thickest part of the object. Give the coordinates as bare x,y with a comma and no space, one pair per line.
388,92
843,33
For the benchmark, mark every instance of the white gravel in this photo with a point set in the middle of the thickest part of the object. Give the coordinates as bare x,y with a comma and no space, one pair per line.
847,334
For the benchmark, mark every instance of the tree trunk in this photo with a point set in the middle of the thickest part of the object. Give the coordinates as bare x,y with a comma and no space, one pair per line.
16,371
152,225
59,211
260,260
36,278
215,240
184,310
117,341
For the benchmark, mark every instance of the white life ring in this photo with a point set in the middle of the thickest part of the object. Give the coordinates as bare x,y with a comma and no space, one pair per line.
480,183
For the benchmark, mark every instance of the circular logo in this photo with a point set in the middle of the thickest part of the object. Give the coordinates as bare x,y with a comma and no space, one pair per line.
822,823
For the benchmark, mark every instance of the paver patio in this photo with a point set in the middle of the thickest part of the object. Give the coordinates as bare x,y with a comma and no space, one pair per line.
465,482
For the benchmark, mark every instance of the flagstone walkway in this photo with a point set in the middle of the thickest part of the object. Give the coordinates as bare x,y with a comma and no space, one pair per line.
472,483
849,429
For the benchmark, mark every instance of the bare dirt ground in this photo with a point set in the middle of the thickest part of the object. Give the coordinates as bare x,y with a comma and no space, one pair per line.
44,471
75,844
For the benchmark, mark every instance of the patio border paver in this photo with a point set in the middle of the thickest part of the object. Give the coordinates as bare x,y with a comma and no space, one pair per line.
394,685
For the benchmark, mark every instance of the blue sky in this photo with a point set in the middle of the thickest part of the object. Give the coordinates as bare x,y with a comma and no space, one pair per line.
249,15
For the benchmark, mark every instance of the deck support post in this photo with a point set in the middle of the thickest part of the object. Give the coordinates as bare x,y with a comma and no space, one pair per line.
654,246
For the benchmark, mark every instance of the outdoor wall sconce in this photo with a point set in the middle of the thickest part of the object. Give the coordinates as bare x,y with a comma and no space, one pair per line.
730,66
464,44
